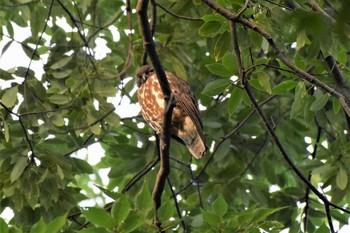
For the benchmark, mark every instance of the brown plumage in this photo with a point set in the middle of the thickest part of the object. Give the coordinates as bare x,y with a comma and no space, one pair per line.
186,126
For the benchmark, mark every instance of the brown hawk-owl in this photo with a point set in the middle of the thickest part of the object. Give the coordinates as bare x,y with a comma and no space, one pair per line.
186,123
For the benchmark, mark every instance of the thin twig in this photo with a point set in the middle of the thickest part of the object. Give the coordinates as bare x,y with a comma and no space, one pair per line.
139,175
128,60
307,193
38,41
280,5
244,8
32,155
184,227
178,16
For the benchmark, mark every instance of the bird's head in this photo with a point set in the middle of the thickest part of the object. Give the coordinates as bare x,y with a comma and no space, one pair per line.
143,73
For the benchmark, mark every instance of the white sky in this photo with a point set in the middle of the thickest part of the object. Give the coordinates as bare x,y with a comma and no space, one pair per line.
15,57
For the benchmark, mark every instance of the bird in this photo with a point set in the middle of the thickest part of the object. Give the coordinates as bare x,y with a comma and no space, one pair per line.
186,122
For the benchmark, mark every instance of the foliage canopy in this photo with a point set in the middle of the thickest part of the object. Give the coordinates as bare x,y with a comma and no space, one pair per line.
293,59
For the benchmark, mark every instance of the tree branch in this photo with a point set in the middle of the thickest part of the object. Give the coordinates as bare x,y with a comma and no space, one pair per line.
237,52
314,6
128,60
165,134
340,82
286,157
303,74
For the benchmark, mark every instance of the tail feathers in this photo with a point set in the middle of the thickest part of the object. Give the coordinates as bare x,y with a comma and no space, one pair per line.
197,148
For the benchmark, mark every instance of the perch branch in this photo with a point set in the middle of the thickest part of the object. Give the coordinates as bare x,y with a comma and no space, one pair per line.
164,142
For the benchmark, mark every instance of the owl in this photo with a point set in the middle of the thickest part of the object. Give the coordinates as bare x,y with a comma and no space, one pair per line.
186,123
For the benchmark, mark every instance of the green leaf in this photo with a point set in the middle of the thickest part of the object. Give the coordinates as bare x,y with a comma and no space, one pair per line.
109,193
29,51
9,98
94,230
209,28
336,105
61,74
230,63
210,218
220,206
64,61
219,70
82,165
342,179
37,24
302,39
59,99
94,125
235,100
322,229
56,225
260,214
299,100
144,198
264,81
132,223
99,217
121,210
166,210
3,226
104,88
113,119
18,169
60,172
222,46
6,46
324,169
5,75
7,131
320,102
57,119
308,114
283,87
216,87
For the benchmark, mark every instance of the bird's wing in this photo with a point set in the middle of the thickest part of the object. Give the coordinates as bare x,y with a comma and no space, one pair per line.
186,100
